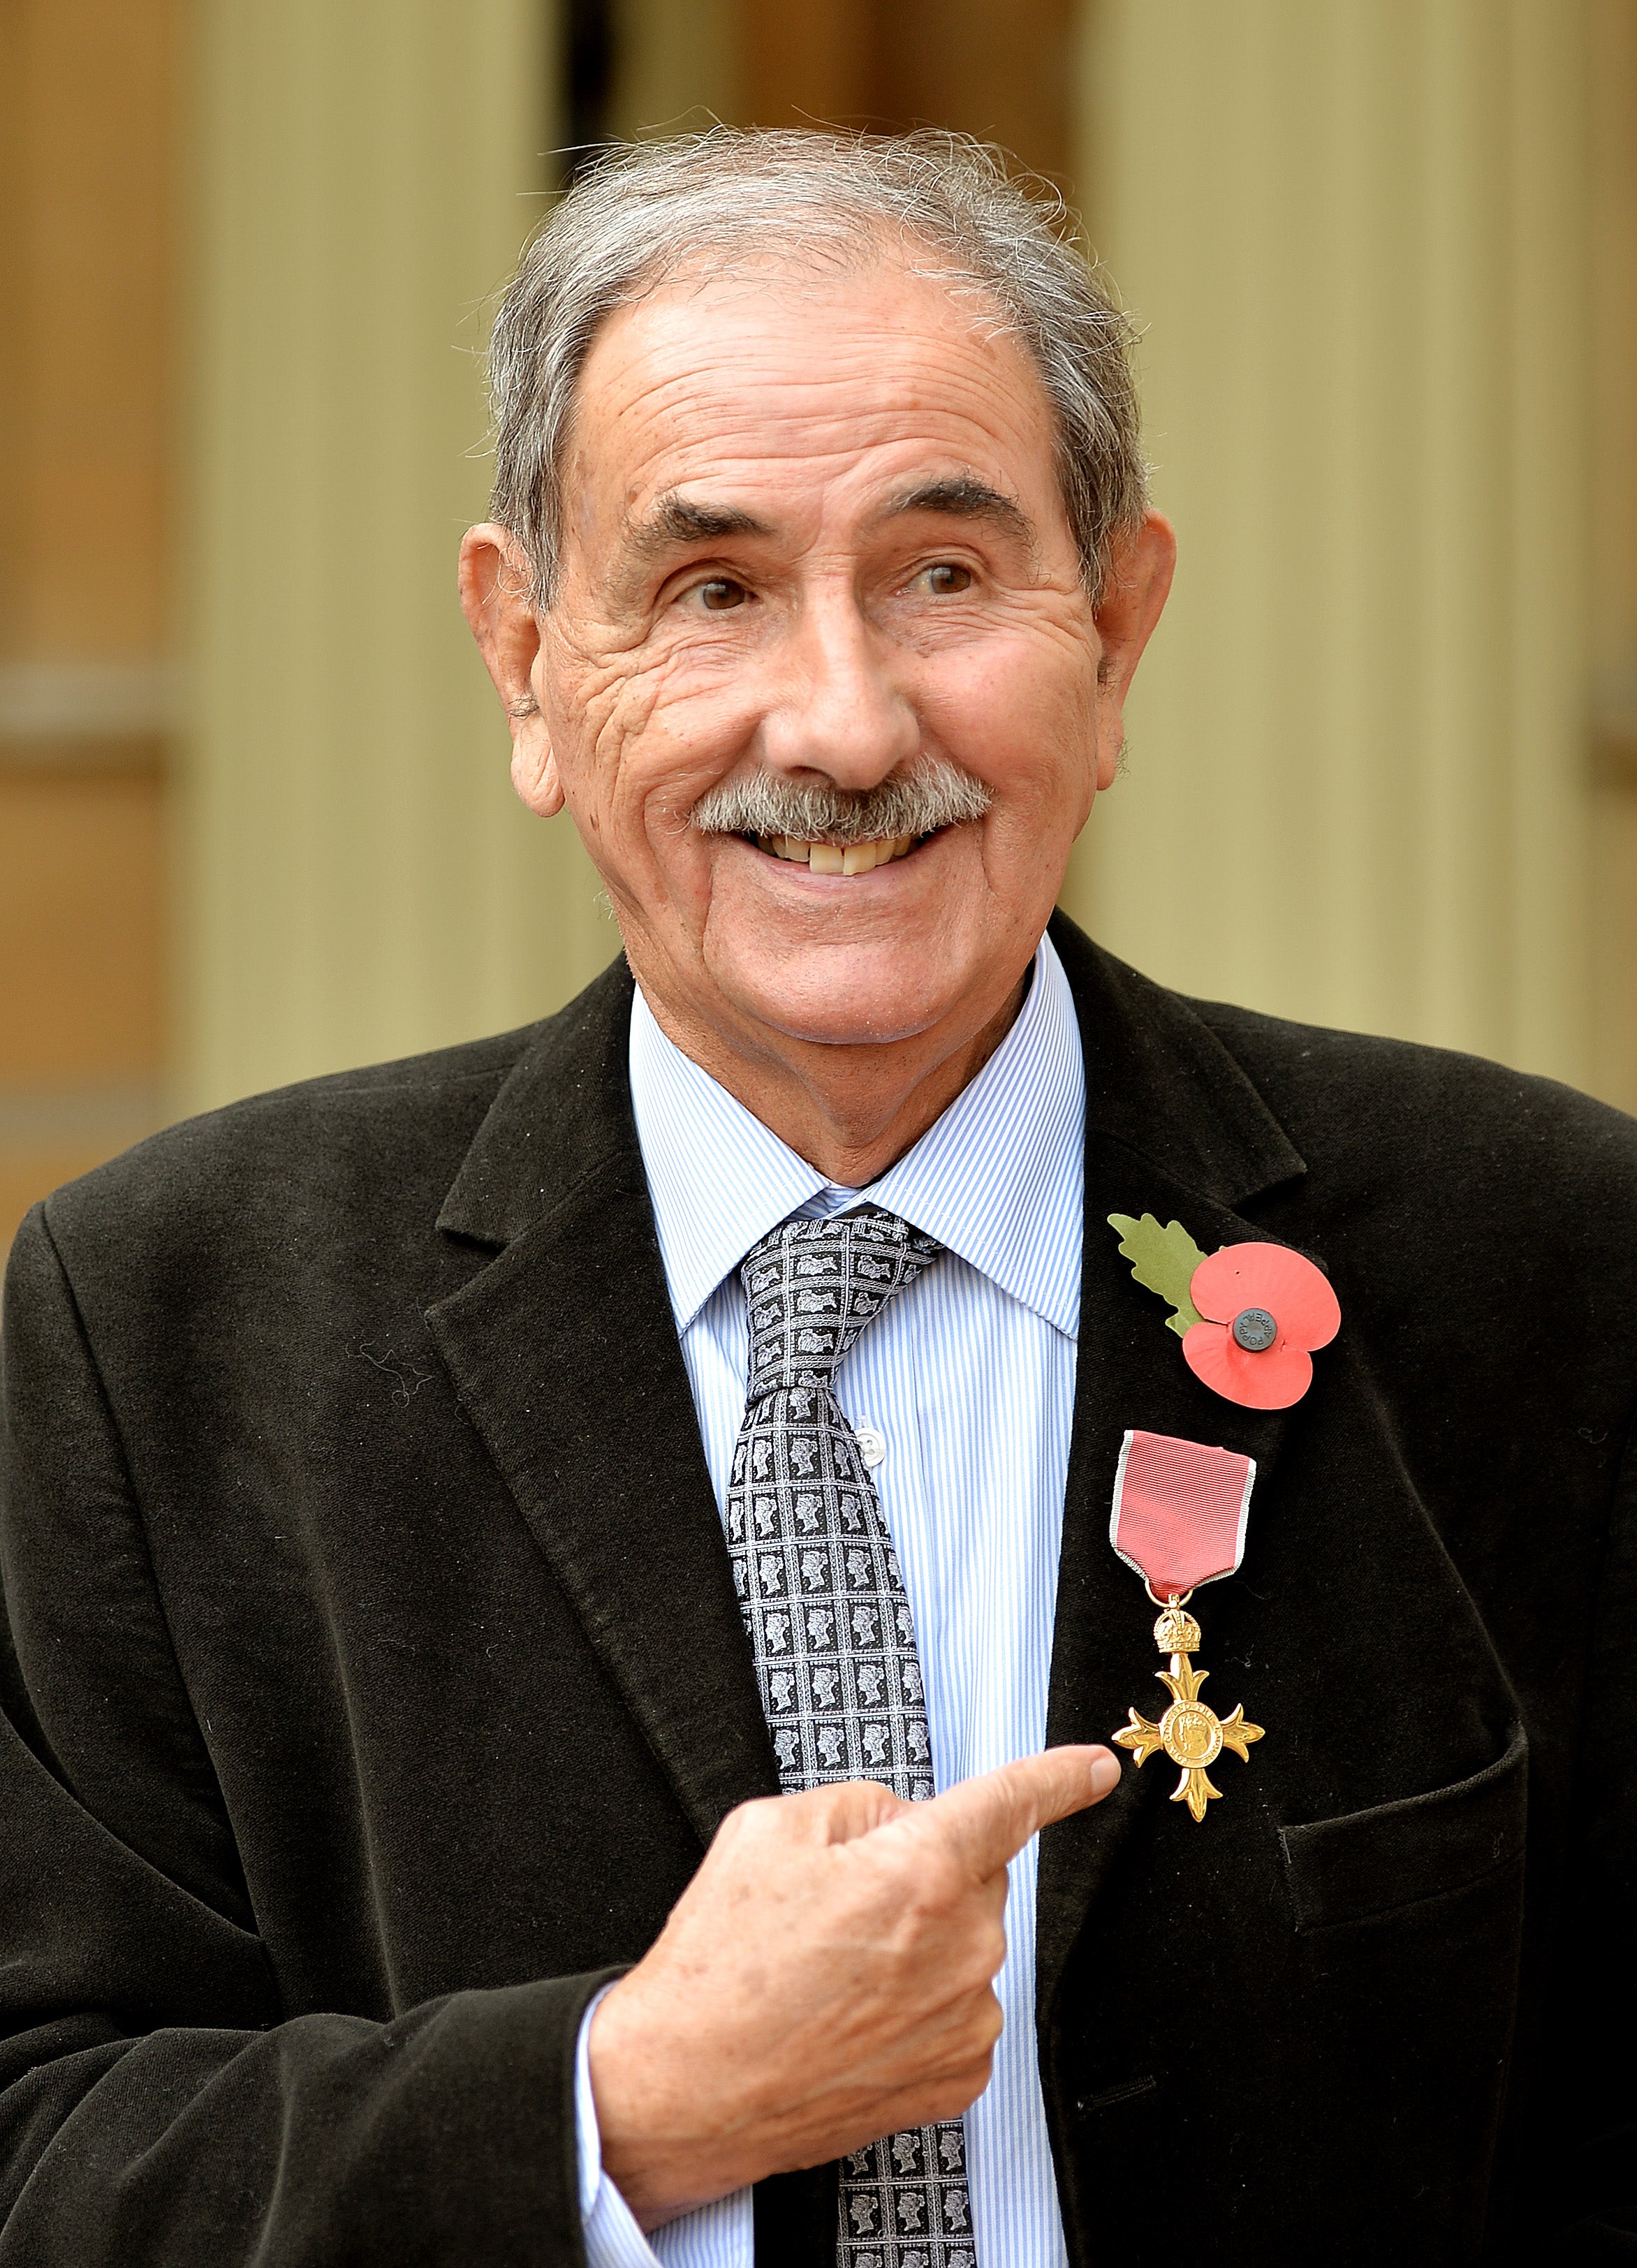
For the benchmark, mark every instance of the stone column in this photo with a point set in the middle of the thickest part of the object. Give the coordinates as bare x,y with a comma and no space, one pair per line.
359,881
1357,239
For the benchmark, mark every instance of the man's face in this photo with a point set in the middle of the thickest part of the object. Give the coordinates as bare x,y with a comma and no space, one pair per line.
813,529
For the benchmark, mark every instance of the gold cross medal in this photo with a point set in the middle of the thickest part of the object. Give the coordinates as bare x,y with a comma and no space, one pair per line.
1179,1519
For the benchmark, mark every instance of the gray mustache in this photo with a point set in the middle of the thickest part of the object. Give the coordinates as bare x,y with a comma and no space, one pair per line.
931,794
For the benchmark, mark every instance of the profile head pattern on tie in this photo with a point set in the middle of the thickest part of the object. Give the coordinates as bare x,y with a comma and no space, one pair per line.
811,1285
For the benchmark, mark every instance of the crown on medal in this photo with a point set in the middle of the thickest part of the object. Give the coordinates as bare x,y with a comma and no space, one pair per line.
1176,1632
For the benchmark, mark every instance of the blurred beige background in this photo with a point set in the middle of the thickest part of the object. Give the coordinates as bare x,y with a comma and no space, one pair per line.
254,821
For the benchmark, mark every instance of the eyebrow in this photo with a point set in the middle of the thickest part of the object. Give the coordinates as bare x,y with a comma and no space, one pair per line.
676,521
963,495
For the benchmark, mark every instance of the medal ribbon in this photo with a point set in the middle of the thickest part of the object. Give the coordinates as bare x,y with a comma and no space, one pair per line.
1180,1511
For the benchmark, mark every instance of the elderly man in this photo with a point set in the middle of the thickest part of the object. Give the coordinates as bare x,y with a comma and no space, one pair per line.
553,1587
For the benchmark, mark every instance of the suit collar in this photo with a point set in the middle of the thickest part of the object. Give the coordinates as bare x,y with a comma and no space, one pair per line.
1160,1081
564,1355
562,1115
1131,1375
1174,1128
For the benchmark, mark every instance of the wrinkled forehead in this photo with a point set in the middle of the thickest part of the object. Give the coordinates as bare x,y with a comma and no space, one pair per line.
817,366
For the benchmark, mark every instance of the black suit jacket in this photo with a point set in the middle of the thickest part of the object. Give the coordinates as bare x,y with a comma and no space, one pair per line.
375,1680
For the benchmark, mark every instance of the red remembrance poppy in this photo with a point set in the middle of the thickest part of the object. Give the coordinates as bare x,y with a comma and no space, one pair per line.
1266,1309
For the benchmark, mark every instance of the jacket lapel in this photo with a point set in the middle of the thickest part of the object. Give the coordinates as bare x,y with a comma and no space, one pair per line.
564,1354
1175,1128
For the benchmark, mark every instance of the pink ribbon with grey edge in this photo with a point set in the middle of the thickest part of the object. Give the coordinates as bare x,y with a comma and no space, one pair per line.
1179,1518
1180,1512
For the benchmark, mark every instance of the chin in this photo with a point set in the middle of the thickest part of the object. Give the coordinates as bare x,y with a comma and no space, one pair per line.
828,1006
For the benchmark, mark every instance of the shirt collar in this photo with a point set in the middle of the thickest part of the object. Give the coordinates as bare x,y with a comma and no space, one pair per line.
997,1179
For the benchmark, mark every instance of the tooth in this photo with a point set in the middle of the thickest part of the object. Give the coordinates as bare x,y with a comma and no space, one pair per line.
858,857
903,846
825,858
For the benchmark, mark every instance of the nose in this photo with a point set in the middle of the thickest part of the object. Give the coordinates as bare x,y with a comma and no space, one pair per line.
835,705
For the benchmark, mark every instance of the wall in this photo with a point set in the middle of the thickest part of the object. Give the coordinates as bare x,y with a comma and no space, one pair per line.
360,881
1002,73
88,119
1612,621
1358,238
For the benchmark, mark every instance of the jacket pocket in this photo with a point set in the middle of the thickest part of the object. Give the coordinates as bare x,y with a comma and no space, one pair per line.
1423,1846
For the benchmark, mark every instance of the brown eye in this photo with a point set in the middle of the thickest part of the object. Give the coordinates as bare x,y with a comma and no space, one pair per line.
720,595
947,578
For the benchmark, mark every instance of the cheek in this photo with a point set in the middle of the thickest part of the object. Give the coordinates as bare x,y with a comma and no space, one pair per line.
638,731
640,751
1023,719
608,728
600,717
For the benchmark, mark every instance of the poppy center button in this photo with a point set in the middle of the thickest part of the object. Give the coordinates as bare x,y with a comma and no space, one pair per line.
872,1445
1255,1330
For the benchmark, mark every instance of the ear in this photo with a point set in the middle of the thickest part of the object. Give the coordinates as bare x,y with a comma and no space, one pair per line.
496,583
1138,581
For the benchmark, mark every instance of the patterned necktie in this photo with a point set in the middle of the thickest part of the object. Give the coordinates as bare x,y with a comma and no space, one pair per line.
834,1640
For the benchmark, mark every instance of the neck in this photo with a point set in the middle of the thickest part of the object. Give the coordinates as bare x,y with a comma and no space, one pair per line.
850,1112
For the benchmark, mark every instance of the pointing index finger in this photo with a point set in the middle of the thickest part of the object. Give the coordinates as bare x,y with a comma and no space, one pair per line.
987,1821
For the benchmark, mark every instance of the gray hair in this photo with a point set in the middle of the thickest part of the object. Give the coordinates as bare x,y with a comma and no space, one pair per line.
645,211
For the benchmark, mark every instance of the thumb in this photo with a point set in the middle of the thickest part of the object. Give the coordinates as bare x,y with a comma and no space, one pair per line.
986,1822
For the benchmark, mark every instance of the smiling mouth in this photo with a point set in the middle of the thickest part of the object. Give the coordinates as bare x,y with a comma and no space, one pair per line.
834,857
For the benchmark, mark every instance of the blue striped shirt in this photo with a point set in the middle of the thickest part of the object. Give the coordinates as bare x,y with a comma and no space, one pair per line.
969,1377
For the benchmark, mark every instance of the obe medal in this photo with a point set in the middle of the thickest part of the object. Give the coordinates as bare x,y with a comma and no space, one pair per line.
1179,1518
1190,1733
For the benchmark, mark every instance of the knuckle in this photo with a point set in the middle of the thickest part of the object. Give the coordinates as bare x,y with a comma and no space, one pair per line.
981,1958
949,2100
746,1823
938,1883
980,2026
959,2090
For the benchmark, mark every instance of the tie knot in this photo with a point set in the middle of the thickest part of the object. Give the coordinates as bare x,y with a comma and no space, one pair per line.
811,1285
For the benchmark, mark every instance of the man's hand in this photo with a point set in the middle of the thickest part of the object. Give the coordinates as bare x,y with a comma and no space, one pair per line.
826,1978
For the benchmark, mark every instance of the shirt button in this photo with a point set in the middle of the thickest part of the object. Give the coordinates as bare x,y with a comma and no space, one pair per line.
872,1445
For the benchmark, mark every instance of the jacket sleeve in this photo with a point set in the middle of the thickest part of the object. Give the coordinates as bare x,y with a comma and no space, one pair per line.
160,2109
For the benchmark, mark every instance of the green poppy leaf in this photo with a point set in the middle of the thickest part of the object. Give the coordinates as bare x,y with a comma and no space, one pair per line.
1162,1260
